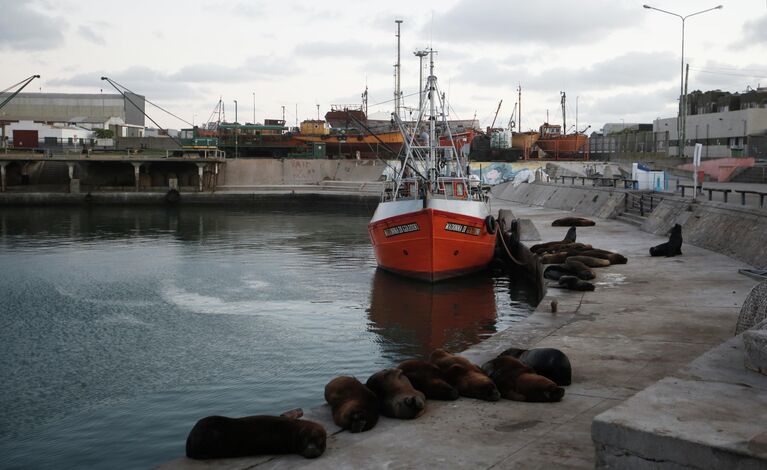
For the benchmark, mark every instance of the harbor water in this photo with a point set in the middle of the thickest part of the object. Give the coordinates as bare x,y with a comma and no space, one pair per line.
121,327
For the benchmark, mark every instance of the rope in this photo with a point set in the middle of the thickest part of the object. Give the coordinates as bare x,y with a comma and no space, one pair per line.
503,242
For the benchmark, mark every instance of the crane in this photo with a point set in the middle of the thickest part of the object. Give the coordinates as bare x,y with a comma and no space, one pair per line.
496,114
512,122
23,84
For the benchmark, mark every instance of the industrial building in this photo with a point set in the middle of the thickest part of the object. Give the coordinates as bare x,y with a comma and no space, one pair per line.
123,115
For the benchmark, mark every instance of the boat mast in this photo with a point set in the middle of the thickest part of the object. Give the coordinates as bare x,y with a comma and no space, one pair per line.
432,119
397,74
519,116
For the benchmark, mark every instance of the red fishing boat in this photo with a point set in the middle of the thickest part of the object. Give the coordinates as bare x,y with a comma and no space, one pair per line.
433,222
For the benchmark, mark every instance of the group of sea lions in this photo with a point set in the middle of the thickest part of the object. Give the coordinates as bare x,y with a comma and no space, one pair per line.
534,375
570,263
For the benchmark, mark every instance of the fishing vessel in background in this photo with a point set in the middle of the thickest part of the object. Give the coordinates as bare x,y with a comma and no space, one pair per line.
561,145
433,222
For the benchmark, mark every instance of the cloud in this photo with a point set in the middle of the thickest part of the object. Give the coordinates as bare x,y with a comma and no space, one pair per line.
346,49
632,69
152,84
254,68
23,28
89,34
505,22
727,77
755,31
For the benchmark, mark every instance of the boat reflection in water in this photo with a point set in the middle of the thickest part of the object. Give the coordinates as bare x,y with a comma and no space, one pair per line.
414,318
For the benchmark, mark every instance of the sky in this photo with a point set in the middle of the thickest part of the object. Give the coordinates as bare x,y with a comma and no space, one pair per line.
615,60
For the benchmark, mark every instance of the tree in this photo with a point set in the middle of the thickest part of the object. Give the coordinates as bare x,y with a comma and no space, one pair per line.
104,133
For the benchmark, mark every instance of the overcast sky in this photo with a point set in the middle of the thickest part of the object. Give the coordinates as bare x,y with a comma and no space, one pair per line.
619,61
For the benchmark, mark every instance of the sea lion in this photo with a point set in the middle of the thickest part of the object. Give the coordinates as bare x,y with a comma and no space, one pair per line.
549,362
571,235
672,247
573,222
519,382
580,270
427,378
556,247
466,377
590,261
354,406
555,271
554,258
219,437
396,396
613,258
573,283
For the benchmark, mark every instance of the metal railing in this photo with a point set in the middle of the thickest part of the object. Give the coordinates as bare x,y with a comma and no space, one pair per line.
644,203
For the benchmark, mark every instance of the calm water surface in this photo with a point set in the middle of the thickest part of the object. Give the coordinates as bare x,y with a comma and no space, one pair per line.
120,328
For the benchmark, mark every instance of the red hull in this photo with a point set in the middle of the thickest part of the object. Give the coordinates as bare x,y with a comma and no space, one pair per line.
432,245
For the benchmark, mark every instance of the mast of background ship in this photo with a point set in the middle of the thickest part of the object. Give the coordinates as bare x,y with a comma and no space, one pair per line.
432,123
397,103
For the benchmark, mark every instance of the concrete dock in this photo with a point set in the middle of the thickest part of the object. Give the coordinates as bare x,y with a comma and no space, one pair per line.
646,320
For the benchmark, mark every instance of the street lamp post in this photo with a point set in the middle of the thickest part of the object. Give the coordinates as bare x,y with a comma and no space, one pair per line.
682,101
236,130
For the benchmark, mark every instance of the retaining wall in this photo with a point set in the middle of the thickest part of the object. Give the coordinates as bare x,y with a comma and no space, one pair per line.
738,232
598,202
256,172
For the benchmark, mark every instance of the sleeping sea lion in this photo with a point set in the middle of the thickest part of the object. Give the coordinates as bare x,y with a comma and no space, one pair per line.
549,362
396,396
580,270
517,381
466,377
573,222
427,378
219,437
354,406
590,261
554,258
573,283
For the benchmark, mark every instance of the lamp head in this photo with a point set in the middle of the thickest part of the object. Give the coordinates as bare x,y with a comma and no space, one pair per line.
719,7
646,6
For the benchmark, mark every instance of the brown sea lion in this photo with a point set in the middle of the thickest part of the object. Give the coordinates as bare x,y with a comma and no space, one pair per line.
556,247
554,258
555,271
573,283
613,258
590,261
466,377
396,396
354,406
573,222
427,378
219,437
580,270
548,362
519,382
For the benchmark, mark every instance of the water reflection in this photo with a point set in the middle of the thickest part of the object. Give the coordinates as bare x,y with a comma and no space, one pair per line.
414,318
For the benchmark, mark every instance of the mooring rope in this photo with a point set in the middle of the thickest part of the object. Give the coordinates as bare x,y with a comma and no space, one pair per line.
503,242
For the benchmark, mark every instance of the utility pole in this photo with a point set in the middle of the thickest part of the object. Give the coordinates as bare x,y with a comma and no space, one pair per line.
683,115
519,110
564,118
397,72
236,131
283,115
254,107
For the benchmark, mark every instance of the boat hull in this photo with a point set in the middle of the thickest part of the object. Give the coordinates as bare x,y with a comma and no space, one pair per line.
432,244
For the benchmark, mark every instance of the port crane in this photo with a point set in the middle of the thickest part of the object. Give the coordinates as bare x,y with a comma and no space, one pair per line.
22,84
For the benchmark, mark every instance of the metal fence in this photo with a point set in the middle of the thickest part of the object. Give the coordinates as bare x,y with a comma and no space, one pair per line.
602,147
